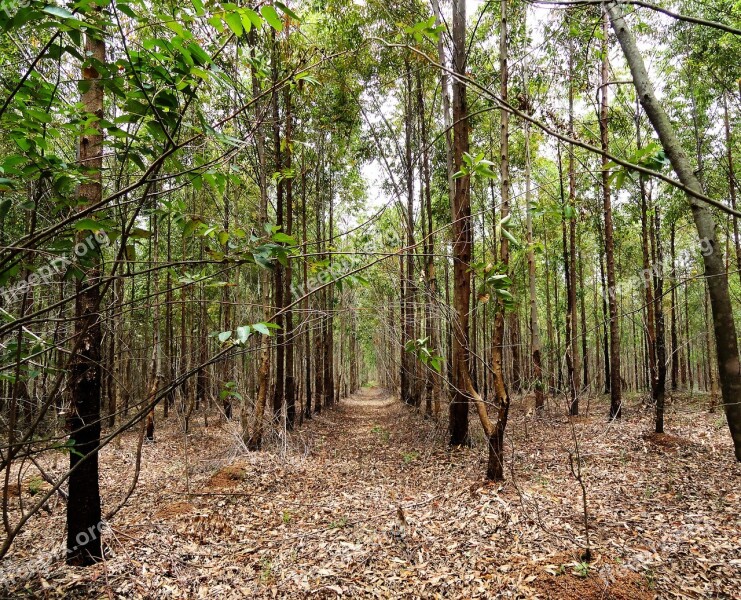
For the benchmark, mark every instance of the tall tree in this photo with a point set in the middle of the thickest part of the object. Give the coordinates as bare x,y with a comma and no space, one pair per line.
84,422
615,379
462,235
726,341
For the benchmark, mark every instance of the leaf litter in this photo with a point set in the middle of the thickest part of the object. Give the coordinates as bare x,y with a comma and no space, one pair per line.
366,501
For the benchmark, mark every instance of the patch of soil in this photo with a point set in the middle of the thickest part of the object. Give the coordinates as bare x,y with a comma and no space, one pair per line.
227,477
667,441
624,585
559,577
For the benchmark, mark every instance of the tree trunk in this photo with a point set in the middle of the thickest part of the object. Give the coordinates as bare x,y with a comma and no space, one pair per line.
535,343
83,504
495,464
290,386
673,299
462,237
658,281
717,282
278,272
571,320
430,392
732,181
253,436
615,383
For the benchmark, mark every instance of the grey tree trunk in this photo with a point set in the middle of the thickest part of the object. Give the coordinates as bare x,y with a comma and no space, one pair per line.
724,326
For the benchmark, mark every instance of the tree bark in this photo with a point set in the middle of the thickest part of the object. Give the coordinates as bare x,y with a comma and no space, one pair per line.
462,237
495,432
615,383
83,505
253,436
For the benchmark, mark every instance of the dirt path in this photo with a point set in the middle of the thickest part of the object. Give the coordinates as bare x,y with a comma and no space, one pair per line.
319,516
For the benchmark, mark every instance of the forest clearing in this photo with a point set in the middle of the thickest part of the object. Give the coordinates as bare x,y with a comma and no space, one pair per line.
338,298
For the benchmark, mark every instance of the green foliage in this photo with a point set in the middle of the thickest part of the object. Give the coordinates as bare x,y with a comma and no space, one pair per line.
424,353
382,433
410,457
651,157
476,166
425,30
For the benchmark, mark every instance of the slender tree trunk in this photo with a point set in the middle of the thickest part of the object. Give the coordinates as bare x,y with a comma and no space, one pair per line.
583,305
573,349
253,436
290,387
83,504
535,343
732,181
717,282
647,281
307,328
407,299
279,271
329,385
462,237
495,464
553,363
615,383
673,298
658,281
430,392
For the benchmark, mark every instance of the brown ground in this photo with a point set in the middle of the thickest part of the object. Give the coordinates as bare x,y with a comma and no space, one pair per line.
318,515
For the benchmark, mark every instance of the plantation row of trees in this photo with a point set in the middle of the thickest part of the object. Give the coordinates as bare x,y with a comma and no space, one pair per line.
247,211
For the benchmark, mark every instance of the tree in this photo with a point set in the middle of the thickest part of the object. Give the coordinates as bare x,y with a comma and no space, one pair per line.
726,342
84,422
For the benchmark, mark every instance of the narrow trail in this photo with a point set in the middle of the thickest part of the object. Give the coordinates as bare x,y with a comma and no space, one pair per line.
318,515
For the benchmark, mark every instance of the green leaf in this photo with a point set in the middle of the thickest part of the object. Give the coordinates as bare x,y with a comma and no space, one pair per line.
510,237
224,336
287,11
261,328
234,22
191,227
243,333
284,238
88,225
198,5
58,11
272,17
253,16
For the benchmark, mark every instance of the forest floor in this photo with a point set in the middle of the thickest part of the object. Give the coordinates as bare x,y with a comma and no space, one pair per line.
365,501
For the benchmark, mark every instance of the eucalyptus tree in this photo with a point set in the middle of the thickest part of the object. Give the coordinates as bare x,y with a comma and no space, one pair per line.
724,326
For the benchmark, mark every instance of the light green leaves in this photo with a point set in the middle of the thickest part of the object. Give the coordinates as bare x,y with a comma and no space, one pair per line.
272,17
503,231
242,334
241,20
57,11
424,353
425,30
234,22
499,285
476,165
651,157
